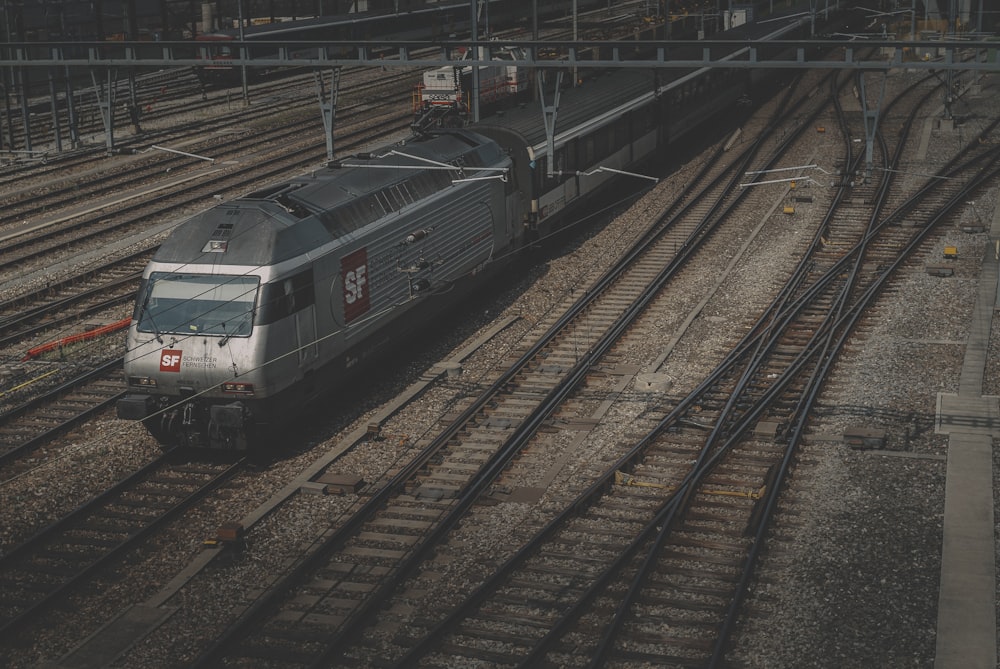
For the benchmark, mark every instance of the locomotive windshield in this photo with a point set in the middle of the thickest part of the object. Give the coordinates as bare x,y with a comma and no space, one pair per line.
202,304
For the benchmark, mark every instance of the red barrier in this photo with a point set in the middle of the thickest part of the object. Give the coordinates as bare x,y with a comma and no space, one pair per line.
72,339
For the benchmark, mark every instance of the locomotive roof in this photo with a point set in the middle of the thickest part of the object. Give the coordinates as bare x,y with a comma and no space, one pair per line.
295,216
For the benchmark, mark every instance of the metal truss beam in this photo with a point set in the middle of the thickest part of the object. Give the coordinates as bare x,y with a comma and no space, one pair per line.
784,54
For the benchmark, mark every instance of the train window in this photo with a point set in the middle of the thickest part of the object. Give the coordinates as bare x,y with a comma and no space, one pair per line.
284,297
618,133
199,304
538,175
572,159
587,155
602,142
298,291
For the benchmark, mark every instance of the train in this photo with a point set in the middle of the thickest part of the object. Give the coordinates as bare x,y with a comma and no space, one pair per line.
444,95
252,310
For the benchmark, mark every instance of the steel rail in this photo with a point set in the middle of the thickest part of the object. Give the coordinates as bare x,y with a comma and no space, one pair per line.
847,324
494,466
421,646
51,396
36,542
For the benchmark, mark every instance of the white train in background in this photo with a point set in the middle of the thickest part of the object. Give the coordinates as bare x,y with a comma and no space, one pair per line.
444,97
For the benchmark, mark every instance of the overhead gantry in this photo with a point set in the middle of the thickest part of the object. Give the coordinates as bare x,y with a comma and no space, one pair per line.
102,59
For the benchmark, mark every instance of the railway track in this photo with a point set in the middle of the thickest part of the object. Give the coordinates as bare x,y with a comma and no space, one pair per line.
707,515
43,205
64,302
337,588
651,561
721,501
162,97
166,90
38,420
41,572
65,190
100,224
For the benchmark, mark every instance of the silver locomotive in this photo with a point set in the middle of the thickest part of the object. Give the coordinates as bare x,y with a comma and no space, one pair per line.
253,308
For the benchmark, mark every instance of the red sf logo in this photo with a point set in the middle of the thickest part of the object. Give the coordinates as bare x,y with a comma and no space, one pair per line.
170,361
354,274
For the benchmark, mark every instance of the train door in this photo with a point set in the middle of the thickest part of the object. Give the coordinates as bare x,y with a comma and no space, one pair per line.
300,301
305,331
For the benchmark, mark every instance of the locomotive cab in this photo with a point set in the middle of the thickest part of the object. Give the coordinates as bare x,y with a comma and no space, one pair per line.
188,331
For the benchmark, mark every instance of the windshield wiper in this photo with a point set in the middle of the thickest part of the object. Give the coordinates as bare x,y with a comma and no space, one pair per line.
229,335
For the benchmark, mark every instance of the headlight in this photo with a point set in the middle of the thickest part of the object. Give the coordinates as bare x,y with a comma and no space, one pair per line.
237,388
